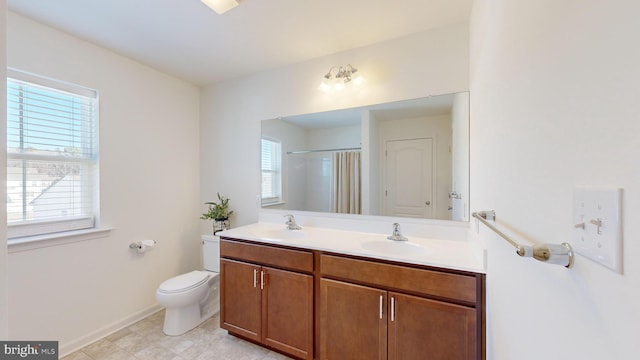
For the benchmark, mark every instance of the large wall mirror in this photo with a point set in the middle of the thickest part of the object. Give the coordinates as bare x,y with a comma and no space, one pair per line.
408,159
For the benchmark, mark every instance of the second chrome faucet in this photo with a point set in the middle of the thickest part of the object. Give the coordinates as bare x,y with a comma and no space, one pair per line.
396,235
291,223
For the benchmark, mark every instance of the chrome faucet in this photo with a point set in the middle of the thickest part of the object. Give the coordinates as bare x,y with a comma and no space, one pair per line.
291,222
396,235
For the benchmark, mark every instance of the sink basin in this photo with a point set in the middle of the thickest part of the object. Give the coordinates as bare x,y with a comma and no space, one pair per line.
390,247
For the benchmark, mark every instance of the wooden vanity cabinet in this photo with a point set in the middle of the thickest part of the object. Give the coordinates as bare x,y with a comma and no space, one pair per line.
266,297
420,328
240,299
361,308
363,313
353,322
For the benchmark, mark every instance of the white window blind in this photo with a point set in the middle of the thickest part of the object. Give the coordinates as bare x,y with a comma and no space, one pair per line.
271,172
52,156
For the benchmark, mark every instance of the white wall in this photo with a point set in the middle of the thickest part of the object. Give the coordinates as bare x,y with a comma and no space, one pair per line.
554,104
371,184
433,62
334,137
4,310
149,179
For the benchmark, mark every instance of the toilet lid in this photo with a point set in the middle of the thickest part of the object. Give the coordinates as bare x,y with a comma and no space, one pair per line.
184,282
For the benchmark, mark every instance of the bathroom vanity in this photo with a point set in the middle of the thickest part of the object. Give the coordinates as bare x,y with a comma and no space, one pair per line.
315,294
266,295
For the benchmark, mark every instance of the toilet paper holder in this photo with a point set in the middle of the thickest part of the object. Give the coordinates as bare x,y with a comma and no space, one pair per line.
142,246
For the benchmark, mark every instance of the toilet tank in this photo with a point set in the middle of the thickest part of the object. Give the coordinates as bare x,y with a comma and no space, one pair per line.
211,252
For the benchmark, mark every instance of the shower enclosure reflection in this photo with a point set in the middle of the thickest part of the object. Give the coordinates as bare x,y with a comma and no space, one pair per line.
407,158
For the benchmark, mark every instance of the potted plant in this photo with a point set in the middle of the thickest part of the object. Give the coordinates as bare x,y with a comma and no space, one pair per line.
218,212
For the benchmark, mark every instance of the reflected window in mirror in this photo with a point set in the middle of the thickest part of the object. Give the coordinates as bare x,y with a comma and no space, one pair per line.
271,172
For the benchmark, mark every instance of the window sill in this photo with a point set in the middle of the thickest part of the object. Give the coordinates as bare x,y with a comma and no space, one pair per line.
55,239
265,205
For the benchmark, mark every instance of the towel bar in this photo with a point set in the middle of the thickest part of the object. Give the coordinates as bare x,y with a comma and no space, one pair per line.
557,254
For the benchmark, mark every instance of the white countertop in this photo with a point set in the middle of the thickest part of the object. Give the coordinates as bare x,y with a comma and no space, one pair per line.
449,254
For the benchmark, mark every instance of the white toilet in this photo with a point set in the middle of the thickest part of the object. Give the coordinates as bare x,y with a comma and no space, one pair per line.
193,297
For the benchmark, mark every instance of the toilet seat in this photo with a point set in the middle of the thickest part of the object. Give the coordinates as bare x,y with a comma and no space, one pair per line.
184,282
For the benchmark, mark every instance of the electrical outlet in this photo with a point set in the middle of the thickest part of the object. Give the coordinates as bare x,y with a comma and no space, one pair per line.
597,225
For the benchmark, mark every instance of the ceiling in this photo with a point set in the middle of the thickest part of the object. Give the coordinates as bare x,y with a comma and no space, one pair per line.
188,40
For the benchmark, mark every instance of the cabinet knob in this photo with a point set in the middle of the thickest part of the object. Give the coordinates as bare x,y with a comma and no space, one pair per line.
428,202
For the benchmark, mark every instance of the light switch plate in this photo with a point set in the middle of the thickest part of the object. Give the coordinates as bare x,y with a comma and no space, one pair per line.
597,225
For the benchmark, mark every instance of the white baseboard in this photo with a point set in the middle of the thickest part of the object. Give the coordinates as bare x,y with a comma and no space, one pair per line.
75,345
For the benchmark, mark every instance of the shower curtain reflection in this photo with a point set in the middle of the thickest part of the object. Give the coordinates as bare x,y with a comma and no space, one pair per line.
324,181
346,182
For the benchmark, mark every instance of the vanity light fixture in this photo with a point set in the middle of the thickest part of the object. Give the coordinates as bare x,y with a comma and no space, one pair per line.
337,76
344,72
221,6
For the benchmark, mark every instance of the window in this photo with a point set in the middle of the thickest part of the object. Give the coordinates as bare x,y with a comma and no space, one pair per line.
271,172
52,156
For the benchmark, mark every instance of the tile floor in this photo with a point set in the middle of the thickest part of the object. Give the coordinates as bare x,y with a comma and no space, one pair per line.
144,340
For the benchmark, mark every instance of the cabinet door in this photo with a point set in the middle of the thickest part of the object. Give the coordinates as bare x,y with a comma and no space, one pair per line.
424,329
353,321
287,312
240,298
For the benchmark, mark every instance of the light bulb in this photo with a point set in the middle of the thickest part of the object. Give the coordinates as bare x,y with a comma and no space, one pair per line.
324,86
